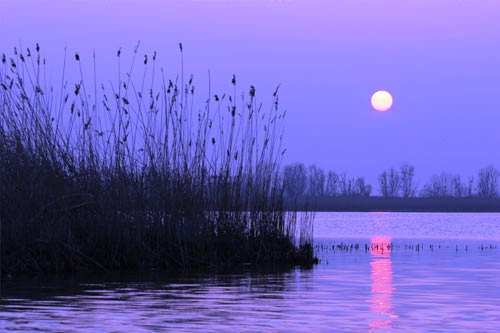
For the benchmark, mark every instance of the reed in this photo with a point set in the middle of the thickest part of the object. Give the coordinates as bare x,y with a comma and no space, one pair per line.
135,176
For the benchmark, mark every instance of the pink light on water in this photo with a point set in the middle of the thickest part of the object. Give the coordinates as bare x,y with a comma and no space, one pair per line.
382,288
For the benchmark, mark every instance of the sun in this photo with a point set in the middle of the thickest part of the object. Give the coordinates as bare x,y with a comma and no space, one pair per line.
382,101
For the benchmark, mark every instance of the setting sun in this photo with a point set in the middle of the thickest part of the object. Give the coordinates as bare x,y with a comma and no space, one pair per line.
381,101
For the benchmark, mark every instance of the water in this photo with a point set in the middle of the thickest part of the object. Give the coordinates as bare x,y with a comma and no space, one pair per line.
378,272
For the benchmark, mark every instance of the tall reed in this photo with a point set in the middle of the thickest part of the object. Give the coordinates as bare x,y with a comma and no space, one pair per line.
134,175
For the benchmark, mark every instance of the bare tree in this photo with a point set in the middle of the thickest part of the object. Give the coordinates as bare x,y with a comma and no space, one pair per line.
439,186
407,173
394,182
487,184
345,185
383,184
316,180
350,187
389,183
294,179
362,189
460,190
470,187
332,184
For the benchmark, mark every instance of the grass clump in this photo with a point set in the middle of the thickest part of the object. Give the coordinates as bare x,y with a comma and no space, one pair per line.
134,176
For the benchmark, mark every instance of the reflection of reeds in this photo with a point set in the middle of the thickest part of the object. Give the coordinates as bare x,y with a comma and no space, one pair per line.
134,176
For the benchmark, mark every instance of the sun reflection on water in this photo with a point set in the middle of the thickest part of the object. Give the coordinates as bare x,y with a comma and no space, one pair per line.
381,289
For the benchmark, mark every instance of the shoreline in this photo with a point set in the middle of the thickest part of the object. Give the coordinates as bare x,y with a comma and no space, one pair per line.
381,204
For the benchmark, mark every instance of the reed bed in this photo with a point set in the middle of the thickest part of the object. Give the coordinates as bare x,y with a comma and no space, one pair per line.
134,175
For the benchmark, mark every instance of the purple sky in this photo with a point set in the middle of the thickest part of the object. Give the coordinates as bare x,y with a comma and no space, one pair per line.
439,59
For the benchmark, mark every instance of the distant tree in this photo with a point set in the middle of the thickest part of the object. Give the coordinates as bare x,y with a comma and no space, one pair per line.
316,180
332,184
389,183
470,187
294,179
394,182
487,184
460,189
439,186
383,184
352,187
407,174
361,188
345,185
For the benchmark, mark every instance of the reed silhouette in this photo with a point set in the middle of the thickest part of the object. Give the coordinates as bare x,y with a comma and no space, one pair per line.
133,176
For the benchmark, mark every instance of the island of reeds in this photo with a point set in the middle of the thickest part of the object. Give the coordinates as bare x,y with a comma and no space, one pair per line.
135,174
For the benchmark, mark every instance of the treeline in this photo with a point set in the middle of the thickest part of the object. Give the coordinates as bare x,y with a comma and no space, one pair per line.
314,181
394,182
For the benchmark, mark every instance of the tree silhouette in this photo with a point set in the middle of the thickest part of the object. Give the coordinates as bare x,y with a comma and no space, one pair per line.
294,179
487,185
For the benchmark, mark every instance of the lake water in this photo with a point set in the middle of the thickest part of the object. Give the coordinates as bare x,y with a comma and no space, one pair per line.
378,272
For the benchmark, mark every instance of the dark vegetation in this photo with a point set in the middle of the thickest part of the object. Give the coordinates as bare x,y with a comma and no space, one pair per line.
133,175
398,191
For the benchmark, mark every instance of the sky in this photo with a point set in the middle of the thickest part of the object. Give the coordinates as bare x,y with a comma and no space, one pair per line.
439,59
